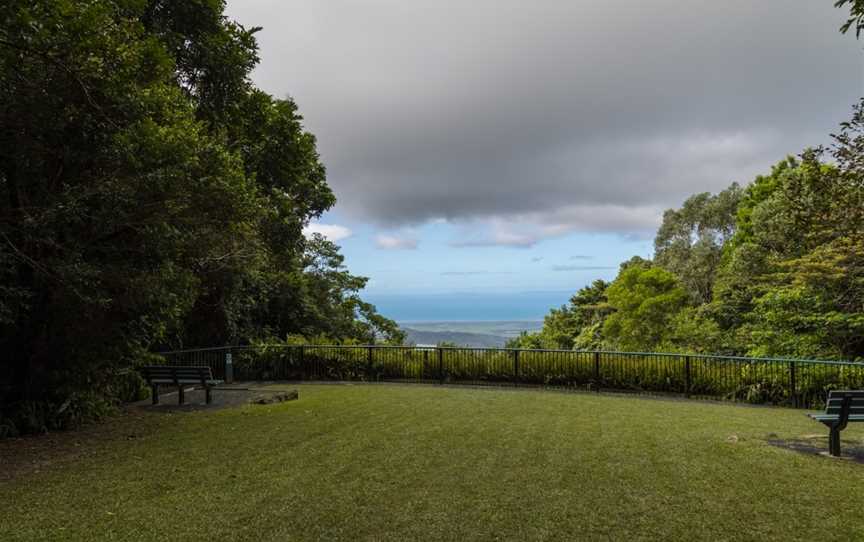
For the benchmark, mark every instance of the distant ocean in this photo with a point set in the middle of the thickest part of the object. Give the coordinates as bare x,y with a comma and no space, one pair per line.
468,307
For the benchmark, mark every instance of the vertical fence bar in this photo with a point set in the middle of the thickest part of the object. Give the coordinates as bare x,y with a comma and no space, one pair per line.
369,362
516,366
688,384
440,365
597,370
793,394
301,354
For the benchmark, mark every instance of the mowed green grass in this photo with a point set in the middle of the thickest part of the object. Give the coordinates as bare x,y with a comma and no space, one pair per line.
390,462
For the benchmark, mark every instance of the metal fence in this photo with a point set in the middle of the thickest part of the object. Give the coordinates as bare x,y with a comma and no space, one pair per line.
792,382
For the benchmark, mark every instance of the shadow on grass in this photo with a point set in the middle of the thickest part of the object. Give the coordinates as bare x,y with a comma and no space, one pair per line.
818,445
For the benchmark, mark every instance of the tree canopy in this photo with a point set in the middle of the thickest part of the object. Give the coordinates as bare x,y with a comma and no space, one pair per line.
150,197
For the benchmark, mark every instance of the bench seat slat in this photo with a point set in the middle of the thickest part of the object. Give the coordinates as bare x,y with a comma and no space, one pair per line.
833,409
184,381
181,376
843,393
835,417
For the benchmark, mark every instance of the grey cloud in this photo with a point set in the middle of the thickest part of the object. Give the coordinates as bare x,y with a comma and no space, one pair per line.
471,273
581,268
506,239
556,116
581,257
537,259
395,242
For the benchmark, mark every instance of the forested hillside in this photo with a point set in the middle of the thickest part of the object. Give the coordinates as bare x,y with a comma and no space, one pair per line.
772,269
150,197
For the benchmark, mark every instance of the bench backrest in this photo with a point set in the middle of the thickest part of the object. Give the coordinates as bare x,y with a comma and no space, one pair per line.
835,400
177,372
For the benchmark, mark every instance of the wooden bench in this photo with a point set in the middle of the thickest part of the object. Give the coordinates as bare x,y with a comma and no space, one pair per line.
842,408
179,376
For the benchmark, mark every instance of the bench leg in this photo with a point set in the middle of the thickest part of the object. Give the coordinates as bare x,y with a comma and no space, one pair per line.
834,442
208,394
181,395
155,393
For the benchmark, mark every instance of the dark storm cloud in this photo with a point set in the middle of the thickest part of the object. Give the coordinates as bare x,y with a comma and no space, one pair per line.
524,121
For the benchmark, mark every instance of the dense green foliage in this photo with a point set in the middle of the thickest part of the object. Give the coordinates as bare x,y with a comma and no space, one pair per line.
586,312
775,269
423,463
150,195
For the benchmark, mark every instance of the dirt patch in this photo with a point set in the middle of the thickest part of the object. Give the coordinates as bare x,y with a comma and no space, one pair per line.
270,398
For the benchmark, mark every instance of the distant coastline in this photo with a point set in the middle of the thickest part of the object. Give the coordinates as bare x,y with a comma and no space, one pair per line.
465,308
473,333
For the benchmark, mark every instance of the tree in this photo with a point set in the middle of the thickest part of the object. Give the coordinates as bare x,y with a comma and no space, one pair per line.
856,15
778,218
645,300
563,327
791,280
816,306
690,240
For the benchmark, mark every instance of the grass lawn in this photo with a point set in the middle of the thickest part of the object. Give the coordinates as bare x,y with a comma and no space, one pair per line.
391,462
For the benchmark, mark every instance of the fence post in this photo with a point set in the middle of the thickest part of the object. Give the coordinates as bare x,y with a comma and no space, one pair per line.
792,391
369,363
229,367
597,370
302,364
516,366
440,364
687,379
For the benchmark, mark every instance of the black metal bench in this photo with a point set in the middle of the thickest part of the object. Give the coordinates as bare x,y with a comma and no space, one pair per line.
842,408
179,376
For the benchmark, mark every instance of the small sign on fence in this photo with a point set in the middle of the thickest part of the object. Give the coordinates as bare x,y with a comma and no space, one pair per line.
229,368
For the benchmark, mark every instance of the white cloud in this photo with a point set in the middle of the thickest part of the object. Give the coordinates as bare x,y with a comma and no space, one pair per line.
333,232
393,242
525,230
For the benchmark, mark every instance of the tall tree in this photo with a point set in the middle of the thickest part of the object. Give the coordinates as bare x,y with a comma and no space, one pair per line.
575,325
690,240
645,300
791,280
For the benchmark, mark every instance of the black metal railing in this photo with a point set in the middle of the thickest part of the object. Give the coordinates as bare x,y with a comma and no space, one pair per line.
793,382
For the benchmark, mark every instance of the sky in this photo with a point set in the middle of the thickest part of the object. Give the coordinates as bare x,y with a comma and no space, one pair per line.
500,146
